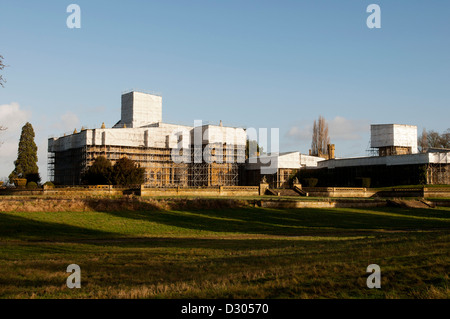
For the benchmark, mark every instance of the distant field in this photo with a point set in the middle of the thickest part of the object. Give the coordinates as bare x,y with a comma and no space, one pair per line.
226,253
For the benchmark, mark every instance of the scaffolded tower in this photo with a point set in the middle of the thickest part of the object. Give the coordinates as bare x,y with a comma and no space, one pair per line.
393,139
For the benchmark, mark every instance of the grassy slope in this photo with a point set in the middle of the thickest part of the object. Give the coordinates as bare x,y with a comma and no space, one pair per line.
237,253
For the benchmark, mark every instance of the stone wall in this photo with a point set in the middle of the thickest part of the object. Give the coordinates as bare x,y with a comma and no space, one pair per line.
323,204
338,192
436,192
202,191
237,191
425,192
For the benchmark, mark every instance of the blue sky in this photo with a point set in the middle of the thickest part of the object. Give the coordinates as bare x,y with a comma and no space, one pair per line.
272,64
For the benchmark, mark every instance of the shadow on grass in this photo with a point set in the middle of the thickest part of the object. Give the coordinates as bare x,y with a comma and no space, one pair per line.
19,228
443,213
239,221
289,222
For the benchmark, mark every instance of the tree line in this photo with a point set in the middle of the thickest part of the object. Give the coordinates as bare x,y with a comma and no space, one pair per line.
124,172
432,139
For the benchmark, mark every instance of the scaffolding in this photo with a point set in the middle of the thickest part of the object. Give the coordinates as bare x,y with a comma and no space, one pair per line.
141,136
51,166
371,151
67,167
160,170
438,173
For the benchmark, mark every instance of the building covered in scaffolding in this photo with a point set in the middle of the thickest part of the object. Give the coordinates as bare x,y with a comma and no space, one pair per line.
394,161
172,155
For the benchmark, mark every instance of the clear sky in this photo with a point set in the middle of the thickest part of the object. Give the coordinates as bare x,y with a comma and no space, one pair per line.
261,64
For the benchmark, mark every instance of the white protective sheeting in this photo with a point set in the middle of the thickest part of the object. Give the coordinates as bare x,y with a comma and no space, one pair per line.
410,159
440,158
310,161
141,126
160,136
213,134
139,109
291,160
67,142
385,135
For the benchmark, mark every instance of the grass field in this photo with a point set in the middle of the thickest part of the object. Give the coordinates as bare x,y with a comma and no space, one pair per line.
226,253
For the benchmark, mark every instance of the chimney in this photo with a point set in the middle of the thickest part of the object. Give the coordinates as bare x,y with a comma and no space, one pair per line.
331,151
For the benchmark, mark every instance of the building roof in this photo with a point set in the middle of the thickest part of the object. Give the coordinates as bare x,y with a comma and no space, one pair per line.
409,159
289,160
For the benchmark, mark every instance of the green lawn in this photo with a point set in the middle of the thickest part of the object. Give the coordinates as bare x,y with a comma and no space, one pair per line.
226,253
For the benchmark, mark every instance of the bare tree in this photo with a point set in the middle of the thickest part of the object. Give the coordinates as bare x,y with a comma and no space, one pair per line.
445,139
432,139
320,138
2,80
2,128
423,141
2,66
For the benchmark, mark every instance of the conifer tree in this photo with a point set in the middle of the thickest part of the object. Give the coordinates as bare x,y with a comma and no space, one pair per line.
26,163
